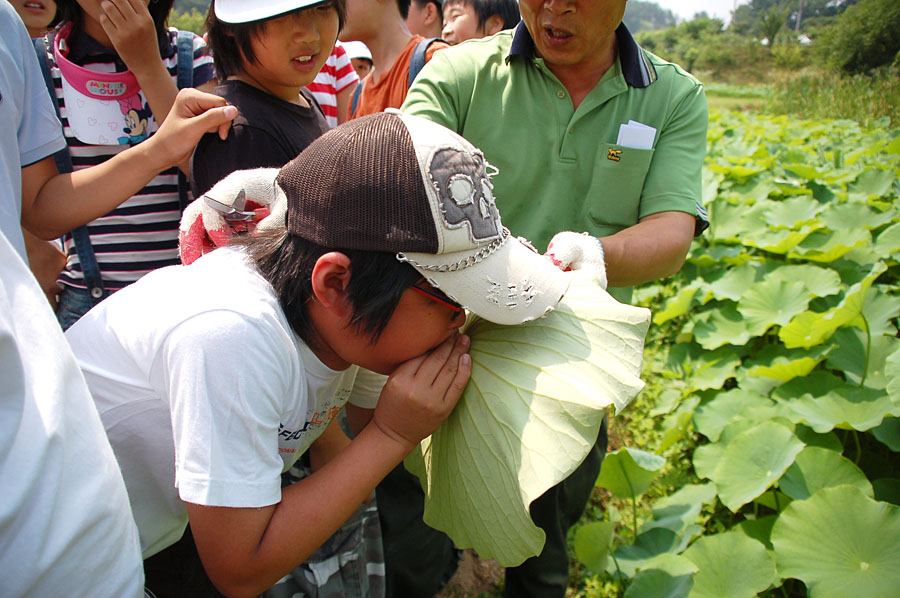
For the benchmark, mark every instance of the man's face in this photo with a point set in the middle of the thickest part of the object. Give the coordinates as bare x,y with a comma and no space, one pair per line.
573,34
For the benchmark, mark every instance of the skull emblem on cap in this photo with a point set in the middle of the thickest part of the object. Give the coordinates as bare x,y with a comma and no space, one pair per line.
466,192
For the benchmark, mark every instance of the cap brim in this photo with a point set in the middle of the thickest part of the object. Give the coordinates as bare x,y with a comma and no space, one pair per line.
512,285
241,11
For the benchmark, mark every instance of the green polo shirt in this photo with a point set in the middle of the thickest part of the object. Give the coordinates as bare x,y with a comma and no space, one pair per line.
560,168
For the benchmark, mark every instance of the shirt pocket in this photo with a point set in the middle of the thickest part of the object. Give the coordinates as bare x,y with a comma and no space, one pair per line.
613,202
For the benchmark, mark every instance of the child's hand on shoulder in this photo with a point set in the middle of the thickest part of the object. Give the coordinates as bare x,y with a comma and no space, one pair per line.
422,392
132,32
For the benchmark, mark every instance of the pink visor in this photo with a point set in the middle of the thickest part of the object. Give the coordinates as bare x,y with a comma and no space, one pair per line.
101,108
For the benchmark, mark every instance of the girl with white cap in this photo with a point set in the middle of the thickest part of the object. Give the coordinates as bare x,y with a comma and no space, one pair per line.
265,53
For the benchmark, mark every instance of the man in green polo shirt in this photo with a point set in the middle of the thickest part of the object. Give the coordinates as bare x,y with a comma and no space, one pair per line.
590,133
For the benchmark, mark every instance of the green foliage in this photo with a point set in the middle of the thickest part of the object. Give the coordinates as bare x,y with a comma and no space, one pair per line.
647,16
865,37
773,375
188,5
823,95
189,21
771,22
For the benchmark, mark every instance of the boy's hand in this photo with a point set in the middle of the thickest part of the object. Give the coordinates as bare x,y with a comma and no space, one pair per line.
193,114
132,32
422,392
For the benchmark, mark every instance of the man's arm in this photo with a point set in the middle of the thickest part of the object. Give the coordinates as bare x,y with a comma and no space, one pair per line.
653,248
245,550
53,203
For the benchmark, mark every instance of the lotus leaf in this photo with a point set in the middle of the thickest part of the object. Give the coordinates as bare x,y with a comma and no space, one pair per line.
666,576
815,468
527,418
830,246
840,543
730,564
772,302
729,406
593,542
753,461
845,407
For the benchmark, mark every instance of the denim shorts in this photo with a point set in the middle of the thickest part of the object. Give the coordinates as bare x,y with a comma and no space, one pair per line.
73,302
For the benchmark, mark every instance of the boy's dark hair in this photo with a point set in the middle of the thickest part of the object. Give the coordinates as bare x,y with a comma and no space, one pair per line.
485,9
403,5
377,280
71,11
230,43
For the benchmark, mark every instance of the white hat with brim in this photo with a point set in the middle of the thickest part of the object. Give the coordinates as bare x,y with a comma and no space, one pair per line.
242,11
356,49
500,277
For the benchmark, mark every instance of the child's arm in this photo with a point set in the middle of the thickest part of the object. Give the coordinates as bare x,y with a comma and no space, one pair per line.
328,445
245,551
53,203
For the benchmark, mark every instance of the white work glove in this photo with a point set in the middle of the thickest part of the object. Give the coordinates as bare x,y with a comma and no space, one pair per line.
234,205
578,251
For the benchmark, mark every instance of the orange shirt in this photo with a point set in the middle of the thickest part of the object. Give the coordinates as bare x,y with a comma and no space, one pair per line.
390,91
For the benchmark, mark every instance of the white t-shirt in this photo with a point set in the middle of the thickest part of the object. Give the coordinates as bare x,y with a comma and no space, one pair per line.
206,393
65,524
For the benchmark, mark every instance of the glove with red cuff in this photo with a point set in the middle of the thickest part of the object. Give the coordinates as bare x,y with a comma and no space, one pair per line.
574,251
233,206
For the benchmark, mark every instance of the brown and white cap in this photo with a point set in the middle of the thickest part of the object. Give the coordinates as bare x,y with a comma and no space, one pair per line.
403,184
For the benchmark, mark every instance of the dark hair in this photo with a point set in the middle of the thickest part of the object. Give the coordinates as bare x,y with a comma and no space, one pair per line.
377,280
70,11
231,43
403,6
485,9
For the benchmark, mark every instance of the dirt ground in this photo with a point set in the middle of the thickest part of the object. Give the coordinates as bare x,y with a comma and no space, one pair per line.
474,577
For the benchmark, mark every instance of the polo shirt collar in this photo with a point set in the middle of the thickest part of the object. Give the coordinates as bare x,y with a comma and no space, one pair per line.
637,69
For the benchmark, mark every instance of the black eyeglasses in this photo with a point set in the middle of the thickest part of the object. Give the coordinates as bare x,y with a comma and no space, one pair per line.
438,297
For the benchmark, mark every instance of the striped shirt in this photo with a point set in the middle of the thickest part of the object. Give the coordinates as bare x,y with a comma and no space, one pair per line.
141,234
337,75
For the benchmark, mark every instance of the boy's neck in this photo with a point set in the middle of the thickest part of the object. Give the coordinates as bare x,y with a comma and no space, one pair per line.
386,46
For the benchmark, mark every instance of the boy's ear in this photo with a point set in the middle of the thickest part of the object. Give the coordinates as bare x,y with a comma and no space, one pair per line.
493,24
330,278
432,14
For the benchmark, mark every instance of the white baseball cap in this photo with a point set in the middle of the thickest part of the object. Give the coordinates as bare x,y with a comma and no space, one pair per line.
245,11
357,50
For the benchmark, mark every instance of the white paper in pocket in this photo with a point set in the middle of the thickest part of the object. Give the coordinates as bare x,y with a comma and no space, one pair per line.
636,135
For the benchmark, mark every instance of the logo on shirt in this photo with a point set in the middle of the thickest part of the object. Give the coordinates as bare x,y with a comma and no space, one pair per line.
106,88
614,155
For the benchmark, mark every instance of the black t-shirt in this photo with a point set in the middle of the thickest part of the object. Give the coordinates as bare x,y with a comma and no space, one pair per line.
267,132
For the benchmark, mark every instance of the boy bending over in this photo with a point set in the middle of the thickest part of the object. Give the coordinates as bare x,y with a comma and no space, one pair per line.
212,379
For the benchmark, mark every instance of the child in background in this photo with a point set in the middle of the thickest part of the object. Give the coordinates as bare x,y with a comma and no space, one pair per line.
38,15
265,53
469,19
360,58
425,18
118,49
334,85
397,54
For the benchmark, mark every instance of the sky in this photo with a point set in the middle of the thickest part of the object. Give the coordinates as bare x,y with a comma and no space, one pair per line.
685,9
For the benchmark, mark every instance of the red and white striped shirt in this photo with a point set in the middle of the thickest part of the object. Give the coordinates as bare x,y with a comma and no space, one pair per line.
337,75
